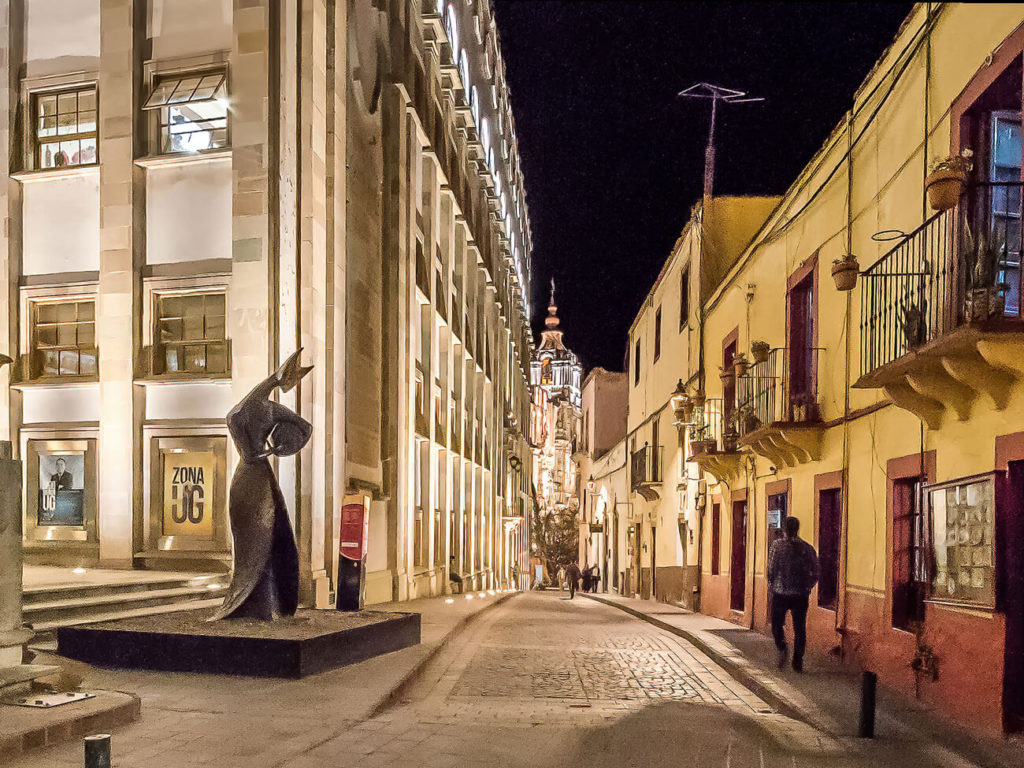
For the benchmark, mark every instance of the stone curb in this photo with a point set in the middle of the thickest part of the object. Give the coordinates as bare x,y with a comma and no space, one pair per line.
388,698
748,674
122,710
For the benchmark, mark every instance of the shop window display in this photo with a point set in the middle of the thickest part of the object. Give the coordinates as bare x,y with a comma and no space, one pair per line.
963,533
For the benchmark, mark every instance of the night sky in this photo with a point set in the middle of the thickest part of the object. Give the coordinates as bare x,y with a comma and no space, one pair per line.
614,161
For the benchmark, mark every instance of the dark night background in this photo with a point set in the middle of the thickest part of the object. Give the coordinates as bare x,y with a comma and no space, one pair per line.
613,161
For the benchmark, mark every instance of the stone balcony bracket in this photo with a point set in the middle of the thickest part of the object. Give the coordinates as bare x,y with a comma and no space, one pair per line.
950,374
648,491
724,465
786,443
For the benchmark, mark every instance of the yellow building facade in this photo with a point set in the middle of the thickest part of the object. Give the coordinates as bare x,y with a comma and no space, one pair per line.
886,418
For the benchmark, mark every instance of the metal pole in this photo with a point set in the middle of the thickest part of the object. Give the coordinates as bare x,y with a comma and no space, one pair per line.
97,750
866,728
709,154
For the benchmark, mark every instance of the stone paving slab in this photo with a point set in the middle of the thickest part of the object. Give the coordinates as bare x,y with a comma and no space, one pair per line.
200,720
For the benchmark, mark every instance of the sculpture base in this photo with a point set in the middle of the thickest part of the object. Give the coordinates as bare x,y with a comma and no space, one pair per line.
308,643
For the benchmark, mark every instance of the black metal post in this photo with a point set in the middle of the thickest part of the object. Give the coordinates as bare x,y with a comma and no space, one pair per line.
97,751
868,682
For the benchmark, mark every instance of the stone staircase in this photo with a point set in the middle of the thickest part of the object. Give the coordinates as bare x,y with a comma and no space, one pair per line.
46,607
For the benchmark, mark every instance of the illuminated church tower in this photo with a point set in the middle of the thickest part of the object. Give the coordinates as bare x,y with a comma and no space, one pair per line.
555,368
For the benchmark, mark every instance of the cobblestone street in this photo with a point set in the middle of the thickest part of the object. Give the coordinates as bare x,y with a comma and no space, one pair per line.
545,681
536,681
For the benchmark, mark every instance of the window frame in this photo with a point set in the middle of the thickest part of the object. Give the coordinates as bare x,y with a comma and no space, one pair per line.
684,297
153,72
657,334
153,288
31,88
33,306
636,363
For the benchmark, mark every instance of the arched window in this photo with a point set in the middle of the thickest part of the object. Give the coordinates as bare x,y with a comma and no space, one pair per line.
474,104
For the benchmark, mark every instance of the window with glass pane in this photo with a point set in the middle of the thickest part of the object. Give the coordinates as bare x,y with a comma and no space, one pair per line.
65,127
190,334
63,339
963,533
193,112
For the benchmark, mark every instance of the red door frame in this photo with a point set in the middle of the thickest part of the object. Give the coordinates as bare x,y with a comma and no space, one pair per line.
794,328
738,558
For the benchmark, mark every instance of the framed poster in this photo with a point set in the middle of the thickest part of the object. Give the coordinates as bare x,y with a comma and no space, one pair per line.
188,478
187,483
61,496
60,485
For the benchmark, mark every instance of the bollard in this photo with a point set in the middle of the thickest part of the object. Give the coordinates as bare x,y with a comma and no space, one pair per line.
868,681
97,751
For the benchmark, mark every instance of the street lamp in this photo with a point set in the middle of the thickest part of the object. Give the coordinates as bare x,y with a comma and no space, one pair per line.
590,484
682,405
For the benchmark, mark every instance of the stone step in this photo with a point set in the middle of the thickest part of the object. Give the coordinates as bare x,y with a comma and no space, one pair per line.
24,673
61,612
188,605
44,593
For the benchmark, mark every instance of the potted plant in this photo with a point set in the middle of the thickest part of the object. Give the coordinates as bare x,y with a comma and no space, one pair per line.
729,439
912,321
747,420
982,255
946,180
727,374
699,398
740,365
844,272
760,351
805,408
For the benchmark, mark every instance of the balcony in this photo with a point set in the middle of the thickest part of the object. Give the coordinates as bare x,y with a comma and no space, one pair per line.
710,449
937,333
778,415
645,471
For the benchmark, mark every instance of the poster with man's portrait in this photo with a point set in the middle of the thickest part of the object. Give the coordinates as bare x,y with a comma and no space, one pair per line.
61,489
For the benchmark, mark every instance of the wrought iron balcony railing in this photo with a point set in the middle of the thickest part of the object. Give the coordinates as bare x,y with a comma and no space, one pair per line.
708,424
930,284
645,466
784,388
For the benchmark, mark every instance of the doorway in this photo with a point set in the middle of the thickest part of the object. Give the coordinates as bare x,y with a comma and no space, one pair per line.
654,561
738,565
1012,555
830,524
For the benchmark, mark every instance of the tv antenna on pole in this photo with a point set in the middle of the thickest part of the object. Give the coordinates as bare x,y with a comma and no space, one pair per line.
715,93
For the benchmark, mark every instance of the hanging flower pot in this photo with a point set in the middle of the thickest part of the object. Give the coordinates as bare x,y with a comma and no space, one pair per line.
844,272
945,184
728,375
760,351
740,364
699,398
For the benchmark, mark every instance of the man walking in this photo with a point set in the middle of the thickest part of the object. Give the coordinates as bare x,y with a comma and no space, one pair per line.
572,574
792,574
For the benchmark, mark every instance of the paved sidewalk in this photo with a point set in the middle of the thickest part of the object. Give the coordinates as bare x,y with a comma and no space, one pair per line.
826,695
198,720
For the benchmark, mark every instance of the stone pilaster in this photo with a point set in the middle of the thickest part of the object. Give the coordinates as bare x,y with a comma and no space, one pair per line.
117,312
252,319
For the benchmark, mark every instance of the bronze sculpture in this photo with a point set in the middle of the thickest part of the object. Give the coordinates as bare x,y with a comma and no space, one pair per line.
265,580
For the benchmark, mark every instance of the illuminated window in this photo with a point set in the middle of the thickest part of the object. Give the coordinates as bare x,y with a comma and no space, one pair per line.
63,339
65,127
451,28
193,112
190,333
545,371
474,104
464,69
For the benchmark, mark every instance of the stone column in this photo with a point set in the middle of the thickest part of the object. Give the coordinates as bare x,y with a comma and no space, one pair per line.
12,634
118,319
